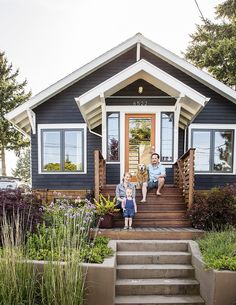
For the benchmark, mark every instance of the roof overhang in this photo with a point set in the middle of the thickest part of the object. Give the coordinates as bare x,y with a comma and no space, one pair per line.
90,103
19,116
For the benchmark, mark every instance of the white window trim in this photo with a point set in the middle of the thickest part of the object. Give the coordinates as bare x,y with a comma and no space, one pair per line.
142,110
61,126
215,126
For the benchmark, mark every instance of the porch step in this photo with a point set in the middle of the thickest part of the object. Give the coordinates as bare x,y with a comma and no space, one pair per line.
154,223
167,210
153,246
159,300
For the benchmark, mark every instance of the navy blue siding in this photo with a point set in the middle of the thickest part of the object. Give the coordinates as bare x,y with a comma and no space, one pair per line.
218,110
169,176
181,142
204,182
113,173
62,108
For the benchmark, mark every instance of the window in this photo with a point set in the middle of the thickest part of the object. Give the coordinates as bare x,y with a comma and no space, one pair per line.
113,149
62,150
167,136
214,150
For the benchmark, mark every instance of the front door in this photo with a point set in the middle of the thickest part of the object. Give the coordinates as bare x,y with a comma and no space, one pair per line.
139,141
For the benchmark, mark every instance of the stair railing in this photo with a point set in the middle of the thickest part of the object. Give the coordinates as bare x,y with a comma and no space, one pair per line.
184,175
99,172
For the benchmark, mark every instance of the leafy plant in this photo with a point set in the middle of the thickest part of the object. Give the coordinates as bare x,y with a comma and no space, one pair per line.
215,209
105,206
219,249
13,202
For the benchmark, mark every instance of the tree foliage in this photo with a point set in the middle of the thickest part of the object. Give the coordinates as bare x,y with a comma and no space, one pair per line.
22,169
213,45
12,94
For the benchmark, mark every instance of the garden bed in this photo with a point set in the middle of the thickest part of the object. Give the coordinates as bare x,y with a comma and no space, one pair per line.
216,287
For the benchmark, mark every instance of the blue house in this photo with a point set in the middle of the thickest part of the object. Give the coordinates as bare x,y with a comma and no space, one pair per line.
108,116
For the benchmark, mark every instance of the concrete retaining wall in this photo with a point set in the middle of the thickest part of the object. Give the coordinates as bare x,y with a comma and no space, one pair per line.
216,287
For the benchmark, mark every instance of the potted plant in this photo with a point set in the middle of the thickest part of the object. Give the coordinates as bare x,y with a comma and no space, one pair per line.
105,209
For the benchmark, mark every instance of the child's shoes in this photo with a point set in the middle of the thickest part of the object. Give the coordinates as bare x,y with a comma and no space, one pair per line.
125,228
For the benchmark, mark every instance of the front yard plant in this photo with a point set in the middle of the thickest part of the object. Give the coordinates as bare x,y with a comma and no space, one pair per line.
219,249
215,209
61,239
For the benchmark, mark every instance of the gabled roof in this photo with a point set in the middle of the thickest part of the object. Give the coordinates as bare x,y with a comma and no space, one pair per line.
93,99
22,115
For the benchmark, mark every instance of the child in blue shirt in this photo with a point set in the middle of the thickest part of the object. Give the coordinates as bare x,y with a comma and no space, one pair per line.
129,209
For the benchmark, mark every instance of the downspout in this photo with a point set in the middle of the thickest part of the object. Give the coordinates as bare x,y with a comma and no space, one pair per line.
93,132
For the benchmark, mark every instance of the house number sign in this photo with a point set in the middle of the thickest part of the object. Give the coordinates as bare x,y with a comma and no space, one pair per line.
140,103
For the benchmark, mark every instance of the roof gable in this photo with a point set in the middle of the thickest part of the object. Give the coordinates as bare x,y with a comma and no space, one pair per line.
22,112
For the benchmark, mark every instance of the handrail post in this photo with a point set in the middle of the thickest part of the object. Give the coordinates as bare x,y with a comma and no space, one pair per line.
191,177
99,172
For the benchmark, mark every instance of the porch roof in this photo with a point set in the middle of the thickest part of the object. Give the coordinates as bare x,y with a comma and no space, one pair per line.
189,101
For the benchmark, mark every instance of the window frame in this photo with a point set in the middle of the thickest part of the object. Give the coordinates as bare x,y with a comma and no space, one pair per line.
173,134
107,140
62,128
212,146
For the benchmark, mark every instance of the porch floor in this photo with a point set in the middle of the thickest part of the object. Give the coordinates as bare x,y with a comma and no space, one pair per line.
152,233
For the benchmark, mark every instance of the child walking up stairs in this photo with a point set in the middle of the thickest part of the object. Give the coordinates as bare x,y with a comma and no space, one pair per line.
155,273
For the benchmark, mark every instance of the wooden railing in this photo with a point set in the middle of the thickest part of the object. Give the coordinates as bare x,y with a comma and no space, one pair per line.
184,175
99,172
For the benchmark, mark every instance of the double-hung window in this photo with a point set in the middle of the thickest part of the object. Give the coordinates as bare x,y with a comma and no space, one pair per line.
63,149
214,150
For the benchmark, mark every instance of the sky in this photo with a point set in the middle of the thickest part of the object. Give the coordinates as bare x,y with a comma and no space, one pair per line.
48,39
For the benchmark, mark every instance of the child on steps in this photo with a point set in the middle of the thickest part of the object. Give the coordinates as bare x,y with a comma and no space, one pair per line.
129,209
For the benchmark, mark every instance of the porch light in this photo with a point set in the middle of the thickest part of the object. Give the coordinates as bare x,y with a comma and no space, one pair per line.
140,89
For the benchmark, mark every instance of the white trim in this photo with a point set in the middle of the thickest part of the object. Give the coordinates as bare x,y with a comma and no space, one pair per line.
32,119
104,127
61,126
140,110
214,126
138,51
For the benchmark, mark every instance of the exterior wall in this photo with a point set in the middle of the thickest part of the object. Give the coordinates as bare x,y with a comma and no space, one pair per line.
113,173
219,110
181,143
62,108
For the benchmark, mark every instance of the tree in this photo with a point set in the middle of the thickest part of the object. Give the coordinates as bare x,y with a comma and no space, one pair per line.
22,170
12,94
213,45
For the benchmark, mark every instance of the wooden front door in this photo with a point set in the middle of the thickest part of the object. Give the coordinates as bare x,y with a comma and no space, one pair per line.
139,141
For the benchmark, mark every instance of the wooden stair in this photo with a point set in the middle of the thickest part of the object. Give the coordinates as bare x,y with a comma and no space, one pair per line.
167,210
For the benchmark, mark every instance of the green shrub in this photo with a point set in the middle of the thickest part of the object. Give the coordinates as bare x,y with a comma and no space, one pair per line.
215,209
219,249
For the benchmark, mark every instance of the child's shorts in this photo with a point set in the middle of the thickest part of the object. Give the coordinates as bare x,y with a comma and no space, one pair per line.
128,213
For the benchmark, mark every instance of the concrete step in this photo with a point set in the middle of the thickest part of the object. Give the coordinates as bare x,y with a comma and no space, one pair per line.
154,246
159,300
141,271
157,286
164,257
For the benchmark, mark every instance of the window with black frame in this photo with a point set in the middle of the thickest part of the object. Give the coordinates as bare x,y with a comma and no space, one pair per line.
214,150
113,137
167,136
62,150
